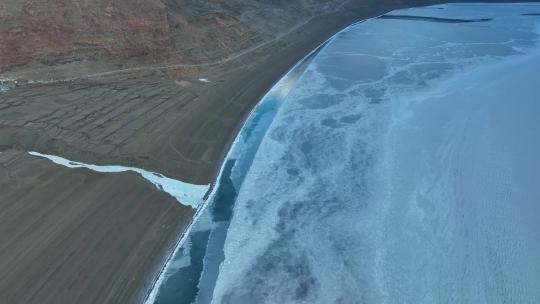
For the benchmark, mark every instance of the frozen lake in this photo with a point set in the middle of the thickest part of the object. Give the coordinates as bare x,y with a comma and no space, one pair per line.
400,166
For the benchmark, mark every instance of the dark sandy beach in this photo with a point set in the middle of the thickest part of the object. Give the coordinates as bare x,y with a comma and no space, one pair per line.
76,236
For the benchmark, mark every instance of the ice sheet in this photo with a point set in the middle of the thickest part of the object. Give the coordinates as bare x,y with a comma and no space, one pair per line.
401,168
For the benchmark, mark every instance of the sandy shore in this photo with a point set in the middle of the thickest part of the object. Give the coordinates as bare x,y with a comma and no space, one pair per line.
75,236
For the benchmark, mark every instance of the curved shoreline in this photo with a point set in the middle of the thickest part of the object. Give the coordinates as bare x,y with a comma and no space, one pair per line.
284,238
245,90
151,294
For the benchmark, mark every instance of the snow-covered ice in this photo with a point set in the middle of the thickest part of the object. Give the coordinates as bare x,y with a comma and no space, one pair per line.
402,168
399,165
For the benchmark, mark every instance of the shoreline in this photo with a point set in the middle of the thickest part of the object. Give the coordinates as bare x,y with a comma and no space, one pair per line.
75,235
171,251
185,132
266,88
150,294
246,88
265,264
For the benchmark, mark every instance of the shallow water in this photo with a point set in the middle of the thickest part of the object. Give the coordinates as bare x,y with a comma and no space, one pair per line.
400,167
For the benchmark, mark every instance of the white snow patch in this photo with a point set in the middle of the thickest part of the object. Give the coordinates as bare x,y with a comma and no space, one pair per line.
185,193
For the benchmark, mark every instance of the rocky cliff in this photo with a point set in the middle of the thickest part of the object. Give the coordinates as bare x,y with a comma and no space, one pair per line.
59,32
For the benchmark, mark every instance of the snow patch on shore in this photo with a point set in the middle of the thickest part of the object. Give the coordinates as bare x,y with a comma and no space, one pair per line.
7,84
185,193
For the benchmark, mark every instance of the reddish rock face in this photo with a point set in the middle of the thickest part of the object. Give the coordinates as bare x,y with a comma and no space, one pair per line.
33,29
54,32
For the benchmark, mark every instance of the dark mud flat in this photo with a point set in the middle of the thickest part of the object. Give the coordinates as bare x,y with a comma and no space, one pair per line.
433,19
76,236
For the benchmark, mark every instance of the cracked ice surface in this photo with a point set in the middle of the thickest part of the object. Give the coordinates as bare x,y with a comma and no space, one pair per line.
402,168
